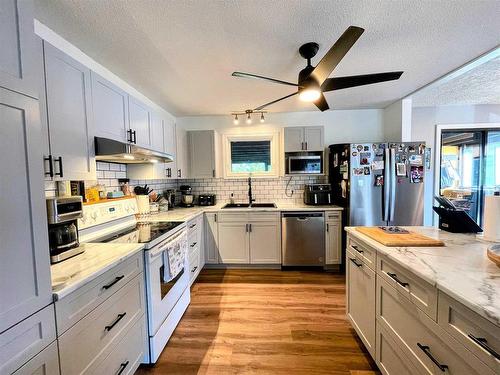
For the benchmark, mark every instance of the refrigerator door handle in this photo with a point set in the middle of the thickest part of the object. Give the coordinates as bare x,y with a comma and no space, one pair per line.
393,183
386,186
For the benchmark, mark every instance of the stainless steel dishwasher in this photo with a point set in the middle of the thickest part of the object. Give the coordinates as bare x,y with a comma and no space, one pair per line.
303,238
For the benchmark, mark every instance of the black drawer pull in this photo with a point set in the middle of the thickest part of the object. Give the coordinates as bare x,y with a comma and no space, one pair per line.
50,173
194,244
396,279
357,249
194,269
60,173
356,263
427,352
192,226
123,366
110,327
483,343
118,278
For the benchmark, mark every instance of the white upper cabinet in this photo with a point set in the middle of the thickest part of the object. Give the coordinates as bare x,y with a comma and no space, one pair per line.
157,132
204,158
309,138
110,109
25,285
169,135
182,153
19,68
140,122
68,101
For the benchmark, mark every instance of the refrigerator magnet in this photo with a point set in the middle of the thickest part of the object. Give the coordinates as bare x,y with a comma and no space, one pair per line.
354,154
358,171
401,169
366,148
379,180
365,158
366,171
415,159
416,174
377,165
360,148
411,148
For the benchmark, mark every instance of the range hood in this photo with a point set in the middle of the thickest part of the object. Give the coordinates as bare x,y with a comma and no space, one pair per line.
120,152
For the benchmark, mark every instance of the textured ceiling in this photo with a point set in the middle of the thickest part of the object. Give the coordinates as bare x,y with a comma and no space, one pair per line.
181,53
480,85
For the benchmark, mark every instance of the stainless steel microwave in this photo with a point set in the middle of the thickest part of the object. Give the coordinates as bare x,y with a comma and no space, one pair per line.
305,164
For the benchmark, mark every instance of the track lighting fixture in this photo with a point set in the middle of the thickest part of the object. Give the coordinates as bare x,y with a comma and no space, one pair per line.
236,121
249,119
248,114
262,117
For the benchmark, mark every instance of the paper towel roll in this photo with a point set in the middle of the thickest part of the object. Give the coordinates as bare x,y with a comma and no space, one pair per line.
491,228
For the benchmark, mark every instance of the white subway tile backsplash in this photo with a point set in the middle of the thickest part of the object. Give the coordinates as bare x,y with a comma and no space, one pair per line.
114,167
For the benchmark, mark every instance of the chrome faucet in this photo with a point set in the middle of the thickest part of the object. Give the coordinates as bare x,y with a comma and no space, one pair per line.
250,199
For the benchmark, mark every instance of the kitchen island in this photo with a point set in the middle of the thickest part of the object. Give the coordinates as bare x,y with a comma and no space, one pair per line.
425,309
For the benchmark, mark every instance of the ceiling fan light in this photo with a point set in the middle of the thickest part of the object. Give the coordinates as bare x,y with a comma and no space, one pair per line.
309,95
262,117
236,121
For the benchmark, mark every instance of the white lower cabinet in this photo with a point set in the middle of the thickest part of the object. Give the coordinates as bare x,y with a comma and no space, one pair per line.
44,363
233,242
195,247
361,299
211,239
265,242
333,253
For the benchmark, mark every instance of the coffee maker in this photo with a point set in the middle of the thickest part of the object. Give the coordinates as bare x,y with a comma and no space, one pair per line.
62,216
187,197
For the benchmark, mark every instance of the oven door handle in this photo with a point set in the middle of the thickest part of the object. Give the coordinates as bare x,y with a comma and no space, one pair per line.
155,251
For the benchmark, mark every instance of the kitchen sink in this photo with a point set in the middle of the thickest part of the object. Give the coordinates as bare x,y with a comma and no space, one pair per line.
246,205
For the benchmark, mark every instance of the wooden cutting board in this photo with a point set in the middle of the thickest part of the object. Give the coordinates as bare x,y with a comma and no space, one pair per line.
399,239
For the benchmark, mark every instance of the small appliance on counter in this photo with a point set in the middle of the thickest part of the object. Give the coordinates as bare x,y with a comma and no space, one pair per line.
62,215
187,197
453,219
206,200
318,194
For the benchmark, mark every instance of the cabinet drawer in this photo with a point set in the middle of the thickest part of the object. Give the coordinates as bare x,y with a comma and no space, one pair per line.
333,216
418,291
264,216
426,344
368,254
95,335
230,217
72,308
44,363
127,354
390,359
193,245
194,265
27,338
476,333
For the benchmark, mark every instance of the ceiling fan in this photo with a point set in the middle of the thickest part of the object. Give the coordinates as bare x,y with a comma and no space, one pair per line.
313,81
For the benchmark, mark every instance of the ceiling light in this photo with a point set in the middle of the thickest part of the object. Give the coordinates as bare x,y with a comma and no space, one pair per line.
249,119
154,161
236,121
262,117
310,94
128,157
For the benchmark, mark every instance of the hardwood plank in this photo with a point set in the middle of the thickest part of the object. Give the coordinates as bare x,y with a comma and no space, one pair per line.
265,322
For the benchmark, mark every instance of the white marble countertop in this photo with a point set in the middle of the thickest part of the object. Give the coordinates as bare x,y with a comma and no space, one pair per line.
460,269
185,214
72,273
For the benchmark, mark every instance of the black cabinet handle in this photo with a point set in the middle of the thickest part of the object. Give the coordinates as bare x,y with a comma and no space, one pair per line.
50,173
129,135
306,145
194,269
357,249
327,227
60,173
118,278
179,173
134,133
193,244
427,352
483,343
110,327
356,263
396,279
123,366
169,172
192,226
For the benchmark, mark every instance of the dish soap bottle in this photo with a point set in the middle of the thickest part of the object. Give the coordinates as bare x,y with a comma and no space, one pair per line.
231,199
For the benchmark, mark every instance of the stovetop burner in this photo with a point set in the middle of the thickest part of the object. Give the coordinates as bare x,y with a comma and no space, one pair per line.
143,232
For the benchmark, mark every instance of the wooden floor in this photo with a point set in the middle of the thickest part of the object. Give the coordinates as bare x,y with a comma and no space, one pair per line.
265,322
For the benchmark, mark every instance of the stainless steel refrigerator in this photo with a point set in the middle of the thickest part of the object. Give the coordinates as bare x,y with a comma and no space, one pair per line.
379,184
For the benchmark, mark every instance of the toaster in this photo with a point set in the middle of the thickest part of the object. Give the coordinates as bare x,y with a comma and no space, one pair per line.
206,200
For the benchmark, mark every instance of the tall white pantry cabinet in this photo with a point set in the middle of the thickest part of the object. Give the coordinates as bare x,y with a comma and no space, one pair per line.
27,322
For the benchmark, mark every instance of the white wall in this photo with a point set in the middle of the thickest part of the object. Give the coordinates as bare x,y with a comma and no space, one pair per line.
397,121
423,128
341,126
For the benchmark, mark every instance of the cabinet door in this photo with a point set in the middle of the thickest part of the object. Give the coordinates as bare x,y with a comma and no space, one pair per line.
110,108
234,243
182,156
313,138
170,147
211,242
68,100
140,122
157,132
333,242
44,363
19,60
201,154
361,300
294,139
25,285
265,244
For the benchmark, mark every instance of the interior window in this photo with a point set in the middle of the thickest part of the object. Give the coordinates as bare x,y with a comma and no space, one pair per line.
250,156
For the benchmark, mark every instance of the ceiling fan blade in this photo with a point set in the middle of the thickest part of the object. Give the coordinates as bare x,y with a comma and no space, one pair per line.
336,53
255,76
274,101
321,103
339,83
